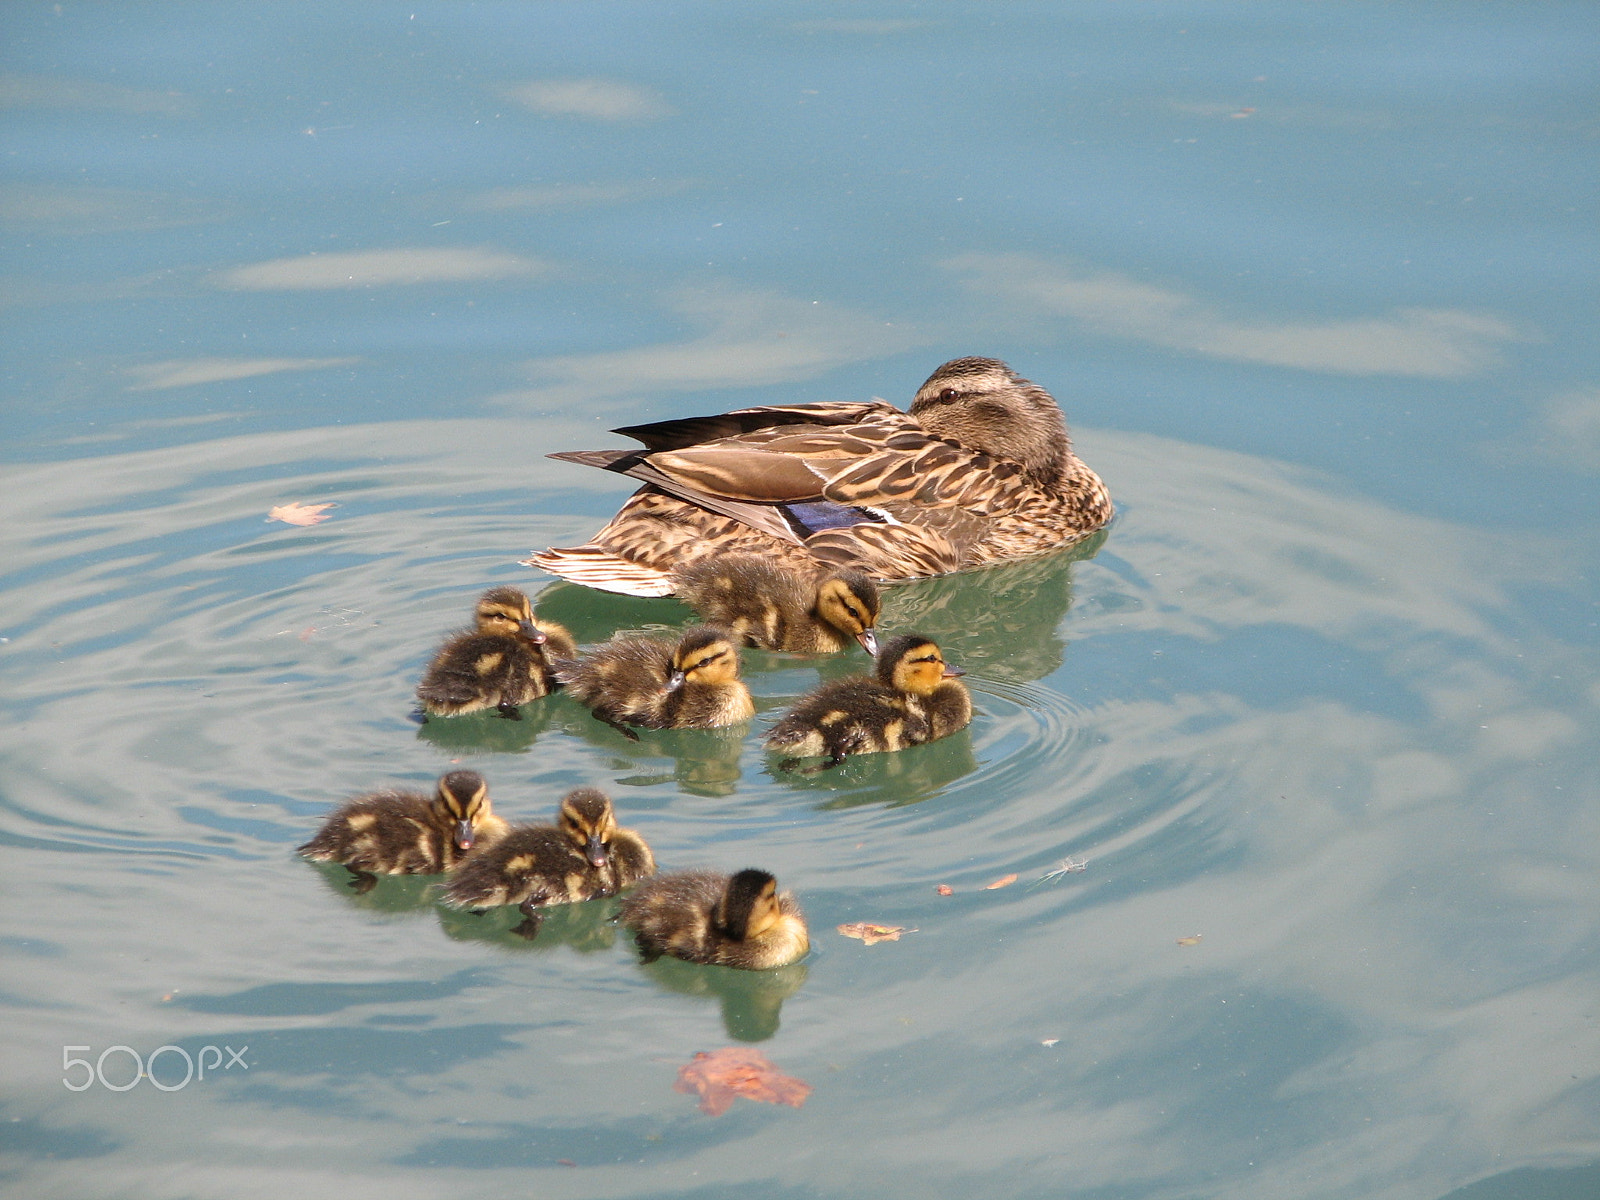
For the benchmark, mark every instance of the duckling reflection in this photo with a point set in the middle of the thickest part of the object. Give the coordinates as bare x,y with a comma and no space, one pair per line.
892,780
488,735
391,896
584,928
752,1001
1003,622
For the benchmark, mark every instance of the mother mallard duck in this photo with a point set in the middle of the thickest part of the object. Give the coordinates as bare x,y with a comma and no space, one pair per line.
979,471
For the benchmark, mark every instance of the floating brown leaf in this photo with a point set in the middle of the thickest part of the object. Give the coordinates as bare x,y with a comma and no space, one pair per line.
295,513
1190,941
723,1075
944,889
1003,881
872,934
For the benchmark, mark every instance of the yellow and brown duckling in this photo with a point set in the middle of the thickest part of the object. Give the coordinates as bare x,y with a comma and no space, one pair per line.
505,661
777,608
585,855
980,470
707,917
392,832
654,683
914,698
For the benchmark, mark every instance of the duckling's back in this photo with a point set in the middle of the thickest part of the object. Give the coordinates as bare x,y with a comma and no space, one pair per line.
855,715
623,680
762,603
389,832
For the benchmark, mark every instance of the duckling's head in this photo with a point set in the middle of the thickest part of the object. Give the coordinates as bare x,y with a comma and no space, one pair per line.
705,655
588,822
749,905
465,797
985,405
506,611
849,601
912,663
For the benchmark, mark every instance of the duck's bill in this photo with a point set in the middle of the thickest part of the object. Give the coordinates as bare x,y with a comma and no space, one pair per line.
464,835
596,852
869,641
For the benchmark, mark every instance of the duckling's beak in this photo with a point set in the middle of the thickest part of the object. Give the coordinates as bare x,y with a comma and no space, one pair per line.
596,852
951,672
674,680
463,835
532,632
869,641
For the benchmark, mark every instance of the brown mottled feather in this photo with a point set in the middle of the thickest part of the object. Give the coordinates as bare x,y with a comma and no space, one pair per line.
980,470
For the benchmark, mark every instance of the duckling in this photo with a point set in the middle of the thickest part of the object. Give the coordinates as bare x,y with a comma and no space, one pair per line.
914,699
776,608
651,682
500,664
391,832
980,470
707,917
584,856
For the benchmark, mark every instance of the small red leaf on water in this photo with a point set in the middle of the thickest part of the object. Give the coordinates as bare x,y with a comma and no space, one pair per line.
295,513
1003,881
872,934
723,1075
944,889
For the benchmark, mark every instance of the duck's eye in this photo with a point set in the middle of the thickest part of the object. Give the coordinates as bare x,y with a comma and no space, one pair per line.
948,394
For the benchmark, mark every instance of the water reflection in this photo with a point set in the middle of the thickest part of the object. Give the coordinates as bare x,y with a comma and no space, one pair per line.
751,1001
585,927
1003,622
897,779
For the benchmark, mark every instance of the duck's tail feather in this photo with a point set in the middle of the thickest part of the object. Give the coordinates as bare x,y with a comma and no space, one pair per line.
596,567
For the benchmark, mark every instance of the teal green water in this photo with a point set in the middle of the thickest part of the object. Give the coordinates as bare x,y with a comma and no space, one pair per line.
1295,767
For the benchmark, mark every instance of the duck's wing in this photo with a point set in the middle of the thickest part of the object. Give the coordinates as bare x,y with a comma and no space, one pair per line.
693,431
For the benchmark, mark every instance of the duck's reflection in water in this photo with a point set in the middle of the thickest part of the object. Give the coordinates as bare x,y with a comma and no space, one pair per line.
488,732
902,777
1002,622
705,761
752,1001
585,927
392,894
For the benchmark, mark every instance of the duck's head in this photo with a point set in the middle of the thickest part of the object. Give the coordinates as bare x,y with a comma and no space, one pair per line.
464,796
506,611
705,655
985,405
849,601
588,822
912,663
749,906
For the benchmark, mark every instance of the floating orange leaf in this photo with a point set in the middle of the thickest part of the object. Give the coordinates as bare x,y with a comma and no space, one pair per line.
295,513
723,1075
872,934
1003,881
944,889
1190,941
